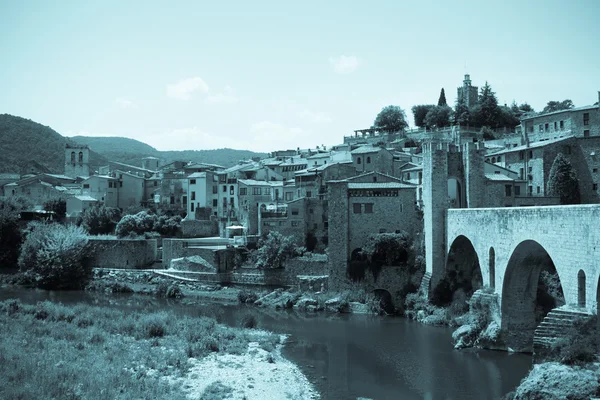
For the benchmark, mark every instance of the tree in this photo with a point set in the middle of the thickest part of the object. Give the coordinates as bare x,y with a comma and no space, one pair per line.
462,116
442,99
507,117
438,116
391,119
563,182
419,112
99,220
53,256
10,233
486,112
273,250
558,105
521,110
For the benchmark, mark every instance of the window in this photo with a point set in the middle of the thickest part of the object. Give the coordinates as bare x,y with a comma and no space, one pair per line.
531,129
294,211
192,207
521,155
530,154
192,181
72,157
586,133
193,195
172,200
408,176
530,190
369,208
358,160
86,185
586,120
538,190
595,187
183,199
294,223
224,188
81,154
356,208
595,170
243,191
555,125
109,184
521,173
289,196
311,211
541,128
215,203
256,191
231,190
499,158
508,190
493,160
215,189
530,169
368,160
546,127
231,201
562,125
267,191
517,190
120,183
497,172
308,193
155,183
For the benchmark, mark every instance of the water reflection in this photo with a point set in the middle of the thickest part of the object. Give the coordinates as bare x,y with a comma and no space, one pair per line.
352,356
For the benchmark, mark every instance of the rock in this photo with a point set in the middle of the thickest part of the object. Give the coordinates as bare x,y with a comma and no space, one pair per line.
465,336
192,263
359,308
555,381
336,305
304,303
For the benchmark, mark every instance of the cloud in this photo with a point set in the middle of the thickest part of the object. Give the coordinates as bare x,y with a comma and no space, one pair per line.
315,117
184,89
344,64
124,103
275,136
227,96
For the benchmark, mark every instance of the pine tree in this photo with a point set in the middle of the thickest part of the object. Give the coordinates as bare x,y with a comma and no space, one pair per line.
442,99
462,115
489,114
563,182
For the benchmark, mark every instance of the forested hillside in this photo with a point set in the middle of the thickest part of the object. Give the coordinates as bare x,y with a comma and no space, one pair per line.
27,146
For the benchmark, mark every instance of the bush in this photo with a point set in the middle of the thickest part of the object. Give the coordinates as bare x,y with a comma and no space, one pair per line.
99,220
273,250
142,223
580,345
167,291
247,296
10,233
54,256
249,322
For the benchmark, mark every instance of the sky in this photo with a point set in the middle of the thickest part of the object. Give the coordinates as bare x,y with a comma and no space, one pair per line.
270,75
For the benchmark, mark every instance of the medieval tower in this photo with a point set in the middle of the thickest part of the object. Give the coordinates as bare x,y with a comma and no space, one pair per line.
467,92
77,160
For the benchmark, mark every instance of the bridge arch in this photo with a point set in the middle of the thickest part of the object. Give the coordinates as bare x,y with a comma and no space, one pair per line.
462,273
524,303
386,300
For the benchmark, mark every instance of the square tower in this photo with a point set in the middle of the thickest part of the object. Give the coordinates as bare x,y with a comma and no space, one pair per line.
77,160
468,93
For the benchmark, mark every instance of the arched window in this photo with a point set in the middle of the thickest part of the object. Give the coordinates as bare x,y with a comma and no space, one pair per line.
358,160
73,157
80,157
493,160
368,160
492,268
581,288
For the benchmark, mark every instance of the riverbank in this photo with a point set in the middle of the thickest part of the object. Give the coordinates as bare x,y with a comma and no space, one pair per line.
50,350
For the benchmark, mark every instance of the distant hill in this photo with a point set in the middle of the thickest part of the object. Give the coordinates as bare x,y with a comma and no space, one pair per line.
26,146
131,151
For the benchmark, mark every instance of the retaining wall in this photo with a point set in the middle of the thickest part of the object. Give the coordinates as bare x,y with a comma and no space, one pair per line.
123,253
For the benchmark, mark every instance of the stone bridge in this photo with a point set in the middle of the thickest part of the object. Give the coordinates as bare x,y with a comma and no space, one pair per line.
513,245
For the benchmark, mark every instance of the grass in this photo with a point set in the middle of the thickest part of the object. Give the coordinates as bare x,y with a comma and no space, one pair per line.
50,350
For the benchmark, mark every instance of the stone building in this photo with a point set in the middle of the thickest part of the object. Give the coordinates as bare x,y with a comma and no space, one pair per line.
578,122
77,160
373,158
202,195
467,92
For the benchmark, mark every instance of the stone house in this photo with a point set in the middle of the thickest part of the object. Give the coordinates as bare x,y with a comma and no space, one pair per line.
372,158
77,204
103,188
255,196
579,122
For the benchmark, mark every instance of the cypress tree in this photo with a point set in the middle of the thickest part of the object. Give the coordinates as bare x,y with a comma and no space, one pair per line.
563,182
442,99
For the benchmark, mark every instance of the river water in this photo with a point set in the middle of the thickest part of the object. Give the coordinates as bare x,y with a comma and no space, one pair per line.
350,356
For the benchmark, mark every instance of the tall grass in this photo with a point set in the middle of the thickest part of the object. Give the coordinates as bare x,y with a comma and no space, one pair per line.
50,350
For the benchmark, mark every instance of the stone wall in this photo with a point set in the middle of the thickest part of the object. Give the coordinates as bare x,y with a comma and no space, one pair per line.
223,259
123,253
198,229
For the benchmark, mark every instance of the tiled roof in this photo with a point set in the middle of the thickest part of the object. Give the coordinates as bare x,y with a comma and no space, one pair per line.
498,177
534,145
85,198
380,185
582,108
366,150
252,182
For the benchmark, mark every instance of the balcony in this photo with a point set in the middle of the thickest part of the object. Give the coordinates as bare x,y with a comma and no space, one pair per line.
273,214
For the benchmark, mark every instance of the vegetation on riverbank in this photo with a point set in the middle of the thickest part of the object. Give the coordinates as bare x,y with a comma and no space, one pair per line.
54,351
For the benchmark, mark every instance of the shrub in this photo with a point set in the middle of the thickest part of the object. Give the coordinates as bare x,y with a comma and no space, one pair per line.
58,206
247,296
99,220
142,223
580,345
54,256
273,250
249,322
167,291
10,233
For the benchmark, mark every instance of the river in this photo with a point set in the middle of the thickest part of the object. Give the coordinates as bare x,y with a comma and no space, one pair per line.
350,356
